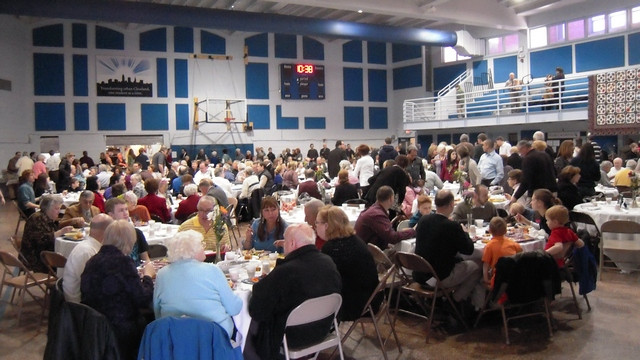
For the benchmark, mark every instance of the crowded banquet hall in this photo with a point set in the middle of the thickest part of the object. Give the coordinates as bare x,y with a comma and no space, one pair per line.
252,179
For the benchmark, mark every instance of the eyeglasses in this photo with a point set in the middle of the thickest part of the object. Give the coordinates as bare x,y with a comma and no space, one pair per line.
205,211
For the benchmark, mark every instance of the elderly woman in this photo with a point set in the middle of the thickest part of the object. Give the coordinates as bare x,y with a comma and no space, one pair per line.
41,231
26,195
266,230
157,205
567,189
111,285
352,258
137,213
189,205
290,176
439,159
206,295
346,165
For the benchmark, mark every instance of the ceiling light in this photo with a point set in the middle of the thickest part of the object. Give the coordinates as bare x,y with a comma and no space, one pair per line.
359,11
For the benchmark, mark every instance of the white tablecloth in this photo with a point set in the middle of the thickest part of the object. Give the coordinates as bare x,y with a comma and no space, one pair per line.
296,216
607,191
601,212
70,199
409,245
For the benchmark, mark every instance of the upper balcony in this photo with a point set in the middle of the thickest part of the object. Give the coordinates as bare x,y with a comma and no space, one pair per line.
535,102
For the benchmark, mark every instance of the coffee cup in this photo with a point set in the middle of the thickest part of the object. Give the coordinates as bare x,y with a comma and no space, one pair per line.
234,274
479,223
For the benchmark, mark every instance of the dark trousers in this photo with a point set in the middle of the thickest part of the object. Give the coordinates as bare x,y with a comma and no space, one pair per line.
486,182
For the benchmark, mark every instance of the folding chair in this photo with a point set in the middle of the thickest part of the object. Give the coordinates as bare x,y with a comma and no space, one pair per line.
16,241
157,251
232,224
404,224
580,221
21,217
619,249
369,315
53,260
313,310
420,293
566,273
22,282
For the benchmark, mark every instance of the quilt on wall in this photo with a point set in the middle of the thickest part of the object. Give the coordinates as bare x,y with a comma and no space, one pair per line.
614,102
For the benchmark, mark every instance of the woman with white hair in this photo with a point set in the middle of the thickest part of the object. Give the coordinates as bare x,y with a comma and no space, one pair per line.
190,287
111,285
346,165
189,205
137,213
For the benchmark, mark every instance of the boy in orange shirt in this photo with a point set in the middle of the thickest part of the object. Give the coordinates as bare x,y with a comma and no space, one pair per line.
498,247
561,235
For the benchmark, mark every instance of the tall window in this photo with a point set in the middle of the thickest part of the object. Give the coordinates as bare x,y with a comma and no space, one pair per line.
596,25
538,37
511,43
618,21
450,54
556,33
635,16
495,45
575,29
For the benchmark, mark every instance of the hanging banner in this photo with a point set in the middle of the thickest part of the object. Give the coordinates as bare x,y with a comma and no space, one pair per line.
124,76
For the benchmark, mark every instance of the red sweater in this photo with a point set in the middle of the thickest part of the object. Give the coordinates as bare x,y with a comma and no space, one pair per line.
157,206
561,235
187,207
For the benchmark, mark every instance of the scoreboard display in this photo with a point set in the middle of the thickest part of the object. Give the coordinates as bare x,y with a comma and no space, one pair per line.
302,82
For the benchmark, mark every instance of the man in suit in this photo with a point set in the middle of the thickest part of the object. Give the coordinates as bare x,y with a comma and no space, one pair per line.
439,240
335,156
81,213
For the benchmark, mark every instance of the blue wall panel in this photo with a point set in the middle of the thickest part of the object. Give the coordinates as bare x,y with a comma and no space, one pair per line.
544,62
352,51
407,77
285,122
50,117
112,117
315,123
109,39
352,84
48,74
259,116
162,77
258,45
376,52
353,117
401,52
444,137
182,117
312,49
257,81
600,54
183,39
212,43
81,116
51,35
80,76
503,66
79,36
378,118
154,40
442,76
286,46
634,50
154,116
181,78
479,67
377,85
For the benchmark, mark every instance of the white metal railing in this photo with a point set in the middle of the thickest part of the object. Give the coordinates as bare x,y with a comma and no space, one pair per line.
452,85
534,97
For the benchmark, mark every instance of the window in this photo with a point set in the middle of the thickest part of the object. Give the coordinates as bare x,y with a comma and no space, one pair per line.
596,25
556,33
495,45
635,16
538,37
575,29
450,54
618,21
511,43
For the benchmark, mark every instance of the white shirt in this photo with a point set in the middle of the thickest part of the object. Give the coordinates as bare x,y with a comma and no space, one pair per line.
53,163
200,175
249,184
75,266
224,184
505,149
612,173
24,163
364,169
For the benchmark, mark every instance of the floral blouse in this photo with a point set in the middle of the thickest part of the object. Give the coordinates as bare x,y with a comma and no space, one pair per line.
39,235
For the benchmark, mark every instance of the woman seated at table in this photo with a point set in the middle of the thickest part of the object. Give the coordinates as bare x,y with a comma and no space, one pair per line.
567,189
352,258
27,200
344,190
41,185
190,287
41,231
137,213
157,205
94,186
514,178
111,285
116,178
189,205
266,230
541,200
290,176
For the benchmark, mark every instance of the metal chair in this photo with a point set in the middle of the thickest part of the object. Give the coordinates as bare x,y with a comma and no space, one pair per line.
611,231
313,310
232,224
53,260
404,224
24,282
157,251
369,315
16,241
420,293
21,216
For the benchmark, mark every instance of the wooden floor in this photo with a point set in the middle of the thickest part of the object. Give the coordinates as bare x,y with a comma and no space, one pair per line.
609,331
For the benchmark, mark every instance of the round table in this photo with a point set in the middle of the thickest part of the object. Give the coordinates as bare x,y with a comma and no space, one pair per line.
296,216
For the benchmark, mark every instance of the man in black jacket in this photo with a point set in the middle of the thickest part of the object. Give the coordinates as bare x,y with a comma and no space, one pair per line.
387,152
335,156
537,171
305,273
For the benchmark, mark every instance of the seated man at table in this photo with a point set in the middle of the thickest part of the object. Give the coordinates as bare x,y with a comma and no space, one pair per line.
498,247
303,274
310,186
207,187
189,205
202,224
81,254
480,207
439,240
374,226
82,212
118,210
311,209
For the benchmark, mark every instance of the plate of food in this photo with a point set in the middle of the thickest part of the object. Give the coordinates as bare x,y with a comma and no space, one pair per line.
253,280
75,236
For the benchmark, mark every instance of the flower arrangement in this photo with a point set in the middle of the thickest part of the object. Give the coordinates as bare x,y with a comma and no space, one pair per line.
635,185
462,178
219,215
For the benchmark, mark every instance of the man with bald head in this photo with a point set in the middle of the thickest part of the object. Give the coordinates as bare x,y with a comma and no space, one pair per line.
81,254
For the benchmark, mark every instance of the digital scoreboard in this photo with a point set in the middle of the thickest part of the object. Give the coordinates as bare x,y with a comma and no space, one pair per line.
302,82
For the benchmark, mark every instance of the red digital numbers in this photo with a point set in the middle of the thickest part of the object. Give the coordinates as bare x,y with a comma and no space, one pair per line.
304,69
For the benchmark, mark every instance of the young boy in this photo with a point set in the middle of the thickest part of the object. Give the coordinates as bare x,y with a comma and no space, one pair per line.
424,208
561,235
498,247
